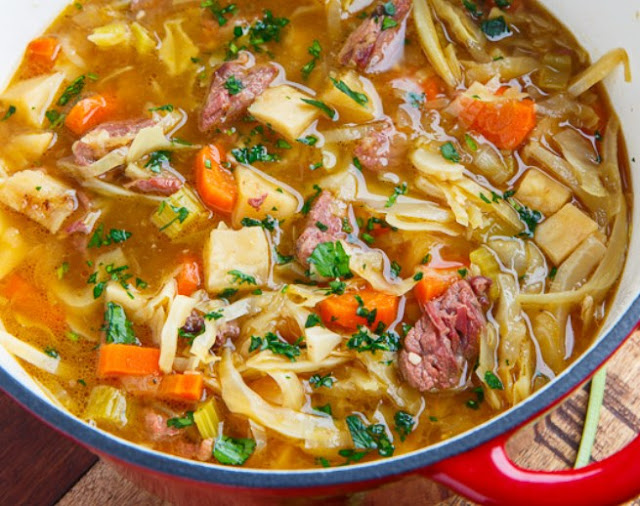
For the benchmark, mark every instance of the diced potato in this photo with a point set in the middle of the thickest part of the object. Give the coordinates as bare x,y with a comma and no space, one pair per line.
283,109
180,213
350,110
177,48
259,198
110,35
22,150
245,251
33,97
559,235
320,343
538,191
12,246
40,197
142,40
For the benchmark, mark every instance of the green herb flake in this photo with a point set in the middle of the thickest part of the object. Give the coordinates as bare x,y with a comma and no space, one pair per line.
55,118
363,341
330,260
62,270
493,381
449,152
388,23
157,160
52,352
331,113
416,99
182,423
163,108
234,452
72,91
553,273
314,50
253,154
233,85
219,13
274,344
114,236
241,278
471,143
496,29
326,409
372,437
10,112
317,381
397,191
313,320
359,98
309,140
404,424
118,329
282,144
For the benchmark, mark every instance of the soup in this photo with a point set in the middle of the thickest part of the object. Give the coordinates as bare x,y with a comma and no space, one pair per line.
305,236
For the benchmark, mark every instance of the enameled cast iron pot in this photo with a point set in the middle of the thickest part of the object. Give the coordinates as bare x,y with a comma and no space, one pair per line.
474,464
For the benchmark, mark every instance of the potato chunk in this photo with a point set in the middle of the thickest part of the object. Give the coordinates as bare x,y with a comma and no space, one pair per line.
350,109
40,197
561,234
259,198
24,149
244,251
283,109
33,97
538,191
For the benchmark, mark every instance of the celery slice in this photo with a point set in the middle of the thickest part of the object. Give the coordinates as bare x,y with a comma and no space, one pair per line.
178,213
207,420
107,405
596,398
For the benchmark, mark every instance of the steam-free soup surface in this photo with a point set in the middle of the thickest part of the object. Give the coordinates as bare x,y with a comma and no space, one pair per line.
298,234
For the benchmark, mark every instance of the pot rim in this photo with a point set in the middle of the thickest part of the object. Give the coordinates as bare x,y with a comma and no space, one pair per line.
133,454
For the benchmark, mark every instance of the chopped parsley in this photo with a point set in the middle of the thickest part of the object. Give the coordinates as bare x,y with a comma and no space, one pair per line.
118,329
315,49
117,274
321,226
269,223
326,409
52,352
55,118
493,381
258,153
396,269
389,8
357,164
282,144
475,403
71,91
404,424
553,273
449,152
330,260
503,4
336,287
219,13
388,23
241,278
274,344
416,99
470,142
313,320
114,236
309,140
472,8
282,259
331,113
10,112
372,437
359,98
427,259
157,160
496,29
182,213
397,191
62,270
227,293
463,273
164,108
233,85
181,423
309,202
214,315
232,451
317,381
363,341
266,30
141,283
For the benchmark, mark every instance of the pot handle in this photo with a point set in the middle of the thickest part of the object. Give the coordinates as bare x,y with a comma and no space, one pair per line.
487,475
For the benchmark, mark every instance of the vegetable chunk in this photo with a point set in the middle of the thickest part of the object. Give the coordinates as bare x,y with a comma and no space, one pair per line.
259,198
563,232
540,192
355,98
283,108
244,251
33,97
40,197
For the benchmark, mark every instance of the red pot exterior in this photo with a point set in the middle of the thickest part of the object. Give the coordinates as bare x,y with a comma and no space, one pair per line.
399,491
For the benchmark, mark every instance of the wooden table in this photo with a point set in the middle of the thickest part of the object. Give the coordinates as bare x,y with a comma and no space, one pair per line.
42,468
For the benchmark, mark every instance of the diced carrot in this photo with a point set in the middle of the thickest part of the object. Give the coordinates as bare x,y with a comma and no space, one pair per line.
215,184
115,360
342,310
505,123
434,283
42,54
432,87
182,387
90,112
189,278
25,299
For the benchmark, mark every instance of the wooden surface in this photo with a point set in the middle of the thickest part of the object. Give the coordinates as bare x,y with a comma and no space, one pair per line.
46,469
